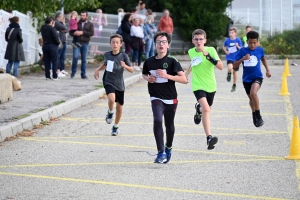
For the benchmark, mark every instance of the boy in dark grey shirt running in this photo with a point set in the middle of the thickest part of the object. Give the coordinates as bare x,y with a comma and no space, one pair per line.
114,64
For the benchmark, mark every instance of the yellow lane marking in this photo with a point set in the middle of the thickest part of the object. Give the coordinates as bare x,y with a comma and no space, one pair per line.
120,184
147,147
178,125
234,142
130,163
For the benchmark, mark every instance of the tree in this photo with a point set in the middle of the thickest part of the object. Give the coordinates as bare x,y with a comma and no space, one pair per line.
40,8
208,15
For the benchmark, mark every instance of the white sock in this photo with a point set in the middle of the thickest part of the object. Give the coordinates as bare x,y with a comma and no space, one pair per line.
110,111
116,125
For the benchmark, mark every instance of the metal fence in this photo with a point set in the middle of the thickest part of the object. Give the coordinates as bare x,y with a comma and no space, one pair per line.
268,16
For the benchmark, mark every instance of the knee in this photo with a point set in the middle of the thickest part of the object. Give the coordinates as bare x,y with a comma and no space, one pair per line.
157,121
119,108
205,109
253,95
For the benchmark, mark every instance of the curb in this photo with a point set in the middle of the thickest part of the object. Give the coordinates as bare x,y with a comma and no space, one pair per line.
13,128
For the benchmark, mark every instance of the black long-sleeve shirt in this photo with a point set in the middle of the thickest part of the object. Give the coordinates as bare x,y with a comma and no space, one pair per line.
49,34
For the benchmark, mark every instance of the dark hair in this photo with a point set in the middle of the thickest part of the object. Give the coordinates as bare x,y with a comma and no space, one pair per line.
133,9
252,35
14,19
248,27
126,17
116,36
161,34
84,11
198,32
149,11
48,20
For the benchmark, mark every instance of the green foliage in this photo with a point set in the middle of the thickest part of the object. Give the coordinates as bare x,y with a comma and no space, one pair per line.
207,15
41,8
287,43
99,58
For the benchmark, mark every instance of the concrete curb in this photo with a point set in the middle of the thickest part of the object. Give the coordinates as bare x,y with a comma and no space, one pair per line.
57,111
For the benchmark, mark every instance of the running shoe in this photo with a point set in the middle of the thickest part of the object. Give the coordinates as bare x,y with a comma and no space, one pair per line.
161,157
109,117
259,122
64,72
168,153
211,141
114,131
233,88
229,77
198,115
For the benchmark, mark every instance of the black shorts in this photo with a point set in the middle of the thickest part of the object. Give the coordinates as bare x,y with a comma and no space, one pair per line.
231,62
119,94
248,85
209,96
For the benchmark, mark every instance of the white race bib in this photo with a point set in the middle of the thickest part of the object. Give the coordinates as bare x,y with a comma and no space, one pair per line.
252,62
232,49
196,61
158,79
110,66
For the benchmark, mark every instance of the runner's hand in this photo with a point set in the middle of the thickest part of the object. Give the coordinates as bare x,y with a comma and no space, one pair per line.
96,74
151,79
162,73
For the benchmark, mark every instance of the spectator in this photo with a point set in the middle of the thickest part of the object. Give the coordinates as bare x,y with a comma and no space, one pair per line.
136,43
125,25
99,21
73,26
85,31
141,10
133,13
61,27
50,47
120,10
166,23
149,31
41,60
14,49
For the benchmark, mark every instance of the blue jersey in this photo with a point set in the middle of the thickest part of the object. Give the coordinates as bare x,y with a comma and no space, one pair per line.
231,47
252,68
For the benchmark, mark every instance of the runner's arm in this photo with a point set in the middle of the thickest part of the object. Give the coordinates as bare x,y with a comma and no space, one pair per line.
264,61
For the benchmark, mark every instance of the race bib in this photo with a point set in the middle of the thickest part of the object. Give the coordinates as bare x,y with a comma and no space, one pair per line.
252,62
232,49
110,66
196,61
158,78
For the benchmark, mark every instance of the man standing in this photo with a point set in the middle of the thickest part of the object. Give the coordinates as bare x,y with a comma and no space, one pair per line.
85,31
62,29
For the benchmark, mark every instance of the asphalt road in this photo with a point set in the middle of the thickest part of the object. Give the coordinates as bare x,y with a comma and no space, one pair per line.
76,158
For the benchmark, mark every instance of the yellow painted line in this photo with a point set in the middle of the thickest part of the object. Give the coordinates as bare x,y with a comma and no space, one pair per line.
234,142
173,162
120,184
147,147
179,125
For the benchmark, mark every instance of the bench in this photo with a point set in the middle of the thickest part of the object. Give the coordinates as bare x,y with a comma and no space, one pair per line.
6,88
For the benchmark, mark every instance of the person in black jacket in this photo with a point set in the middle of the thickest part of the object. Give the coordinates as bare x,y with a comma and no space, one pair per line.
50,47
14,50
125,25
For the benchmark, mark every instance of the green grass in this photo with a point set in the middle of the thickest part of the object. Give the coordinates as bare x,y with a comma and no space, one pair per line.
37,110
100,85
21,116
36,69
58,102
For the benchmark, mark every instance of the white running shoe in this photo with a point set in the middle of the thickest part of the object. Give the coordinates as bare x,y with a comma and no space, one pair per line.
64,72
60,75
136,68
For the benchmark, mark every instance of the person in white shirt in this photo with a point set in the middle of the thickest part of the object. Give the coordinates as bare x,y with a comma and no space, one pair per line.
136,43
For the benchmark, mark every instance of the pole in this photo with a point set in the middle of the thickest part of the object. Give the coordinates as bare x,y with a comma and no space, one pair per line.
292,15
248,16
271,18
280,16
260,17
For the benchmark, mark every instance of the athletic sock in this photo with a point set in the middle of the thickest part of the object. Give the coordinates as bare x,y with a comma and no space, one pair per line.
110,111
229,73
116,125
234,85
257,113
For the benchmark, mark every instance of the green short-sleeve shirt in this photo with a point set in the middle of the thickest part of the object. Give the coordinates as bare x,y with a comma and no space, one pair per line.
203,70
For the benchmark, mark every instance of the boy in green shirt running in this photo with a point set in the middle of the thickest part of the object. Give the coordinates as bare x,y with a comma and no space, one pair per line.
204,85
248,29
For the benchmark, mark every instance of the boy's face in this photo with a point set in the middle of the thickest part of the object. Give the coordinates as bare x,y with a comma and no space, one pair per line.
161,44
252,43
248,30
199,41
116,44
232,34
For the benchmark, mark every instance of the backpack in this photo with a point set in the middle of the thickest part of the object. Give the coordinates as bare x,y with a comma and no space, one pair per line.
119,31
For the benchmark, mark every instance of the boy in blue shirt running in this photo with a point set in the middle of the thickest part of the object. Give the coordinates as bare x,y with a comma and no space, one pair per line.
231,47
252,74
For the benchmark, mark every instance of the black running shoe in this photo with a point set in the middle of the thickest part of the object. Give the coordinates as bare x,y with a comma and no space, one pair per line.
198,115
259,122
233,88
229,77
211,141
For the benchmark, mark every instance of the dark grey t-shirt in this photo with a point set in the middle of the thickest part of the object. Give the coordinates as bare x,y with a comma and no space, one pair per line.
115,78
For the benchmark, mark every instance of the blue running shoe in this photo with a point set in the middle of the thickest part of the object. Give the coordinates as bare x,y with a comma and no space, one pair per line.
114,131
168,153
161,157
109,117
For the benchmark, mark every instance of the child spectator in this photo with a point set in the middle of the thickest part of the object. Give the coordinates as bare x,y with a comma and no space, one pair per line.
73,27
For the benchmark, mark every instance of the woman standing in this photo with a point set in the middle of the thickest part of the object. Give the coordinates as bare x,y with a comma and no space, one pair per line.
99,21
149,31
125,25
136,43
14,49
166,23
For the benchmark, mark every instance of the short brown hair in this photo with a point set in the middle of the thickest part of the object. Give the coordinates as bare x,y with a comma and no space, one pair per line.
14,19
161,34
116,36
198,32
233,29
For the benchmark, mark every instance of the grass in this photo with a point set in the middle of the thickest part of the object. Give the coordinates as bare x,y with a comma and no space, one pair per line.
58,102
37,110
100,85
36,69
21,116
